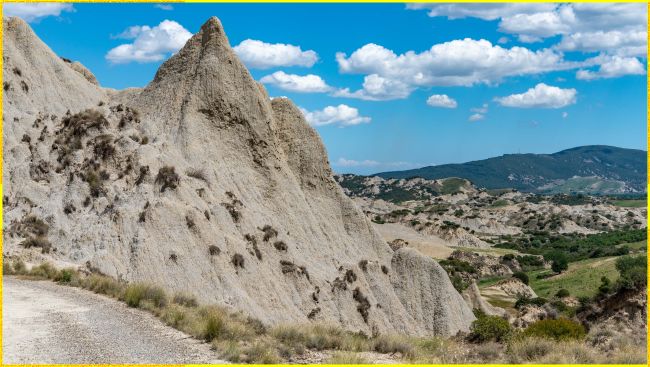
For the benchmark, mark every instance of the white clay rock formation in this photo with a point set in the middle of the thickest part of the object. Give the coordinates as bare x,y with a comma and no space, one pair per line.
202,184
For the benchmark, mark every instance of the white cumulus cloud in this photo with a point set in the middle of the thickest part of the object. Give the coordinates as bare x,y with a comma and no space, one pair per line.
455,63
167,7
441,100
613,67
632,43
342,115
377,88
463,62
541,96
31,12
482,110
476,117
619,28
482,11
297,83
150,44
261,55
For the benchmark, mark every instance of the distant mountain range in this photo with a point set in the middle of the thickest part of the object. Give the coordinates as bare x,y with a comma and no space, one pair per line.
593,169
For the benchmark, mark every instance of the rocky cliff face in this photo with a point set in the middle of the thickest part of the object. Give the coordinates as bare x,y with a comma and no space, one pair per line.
202,184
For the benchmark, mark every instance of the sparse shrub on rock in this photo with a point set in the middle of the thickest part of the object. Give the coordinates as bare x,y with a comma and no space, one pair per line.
363,265
269,232
350,276
167,178
39,241
280,245
363,305
237,261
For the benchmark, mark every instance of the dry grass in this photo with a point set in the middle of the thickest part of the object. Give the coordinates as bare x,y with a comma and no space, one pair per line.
241,339
346,358
137,293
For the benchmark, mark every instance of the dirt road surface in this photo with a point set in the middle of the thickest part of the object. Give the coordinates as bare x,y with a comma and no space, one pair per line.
48,323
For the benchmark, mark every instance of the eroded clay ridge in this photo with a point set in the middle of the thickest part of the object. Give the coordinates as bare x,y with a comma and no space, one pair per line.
203,184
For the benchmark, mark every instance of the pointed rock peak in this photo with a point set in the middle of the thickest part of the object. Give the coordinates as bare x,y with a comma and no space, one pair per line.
212,25
16,22
213,36
211,39
17,27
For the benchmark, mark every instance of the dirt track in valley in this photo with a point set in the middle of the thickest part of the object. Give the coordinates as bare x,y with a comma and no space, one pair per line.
48,323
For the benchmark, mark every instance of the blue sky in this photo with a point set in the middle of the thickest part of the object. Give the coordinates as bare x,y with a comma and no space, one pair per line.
501,78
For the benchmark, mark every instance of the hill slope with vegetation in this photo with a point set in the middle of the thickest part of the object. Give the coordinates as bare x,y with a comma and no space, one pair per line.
588,169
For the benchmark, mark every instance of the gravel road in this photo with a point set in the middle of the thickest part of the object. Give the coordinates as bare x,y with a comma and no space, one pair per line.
48,323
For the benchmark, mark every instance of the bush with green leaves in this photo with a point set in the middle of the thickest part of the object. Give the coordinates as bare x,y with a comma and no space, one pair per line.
559,265
521,276
559,329
489,328
633,272
508,257
523,301
562,293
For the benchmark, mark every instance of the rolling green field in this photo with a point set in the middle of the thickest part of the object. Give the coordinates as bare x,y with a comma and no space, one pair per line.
635,245
636,203
581,279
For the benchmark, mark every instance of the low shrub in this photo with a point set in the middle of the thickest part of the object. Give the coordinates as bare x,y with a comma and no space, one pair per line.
363,305
103,285
185,300
346,358
562,293
633,272
269,232
521,276
7,267
237,261
45,271
363,265
529,349
167,178
523,301
489,328
41,242
214,250
559,329
393,344
280,245
19,267
136,293
65,275
260,352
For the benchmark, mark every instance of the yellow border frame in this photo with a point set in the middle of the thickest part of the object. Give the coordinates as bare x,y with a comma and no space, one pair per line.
321,1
